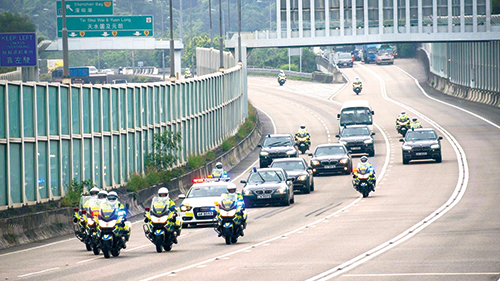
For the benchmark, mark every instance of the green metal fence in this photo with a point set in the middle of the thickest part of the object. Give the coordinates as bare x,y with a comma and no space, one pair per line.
51,133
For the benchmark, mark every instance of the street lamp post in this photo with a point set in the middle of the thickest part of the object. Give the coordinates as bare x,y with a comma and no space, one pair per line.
66,78
221,68
211,29
172,59
239,30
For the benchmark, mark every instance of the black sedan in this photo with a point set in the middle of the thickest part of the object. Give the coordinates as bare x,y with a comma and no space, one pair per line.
331,158
422,143
357,139
268,186
276,146
297,168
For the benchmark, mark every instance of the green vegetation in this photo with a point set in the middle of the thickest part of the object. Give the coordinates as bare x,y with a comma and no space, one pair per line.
288,77
165,146
10,22
75,191
278,58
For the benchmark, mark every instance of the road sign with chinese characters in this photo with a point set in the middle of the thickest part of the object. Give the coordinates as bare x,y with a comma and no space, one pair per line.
18,49
107,26
86,8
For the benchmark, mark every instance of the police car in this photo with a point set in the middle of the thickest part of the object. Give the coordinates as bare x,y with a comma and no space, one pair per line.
198,205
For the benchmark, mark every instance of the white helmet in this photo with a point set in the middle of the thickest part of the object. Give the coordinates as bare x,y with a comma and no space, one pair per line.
231,188
403,112
218,165
102,194
163,192
94,191
302,126
112,196
414,119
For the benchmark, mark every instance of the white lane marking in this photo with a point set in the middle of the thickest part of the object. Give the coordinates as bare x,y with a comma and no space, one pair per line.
139,247
340,90
422,274
448,104
37,247
38,272
272,120
84,261
457,195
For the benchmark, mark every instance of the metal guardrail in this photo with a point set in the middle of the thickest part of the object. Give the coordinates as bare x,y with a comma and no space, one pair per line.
12,76
51,133
276,71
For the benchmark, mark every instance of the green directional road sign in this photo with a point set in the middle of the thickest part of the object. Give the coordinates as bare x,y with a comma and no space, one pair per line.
86,8
107,26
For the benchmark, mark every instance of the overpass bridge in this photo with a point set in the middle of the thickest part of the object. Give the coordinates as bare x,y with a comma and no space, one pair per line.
335,22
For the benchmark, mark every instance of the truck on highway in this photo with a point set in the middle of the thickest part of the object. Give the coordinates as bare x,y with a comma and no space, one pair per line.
370,53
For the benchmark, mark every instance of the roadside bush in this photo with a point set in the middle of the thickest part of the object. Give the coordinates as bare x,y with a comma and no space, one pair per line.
194,162
210,156
75,191
136,183
228,144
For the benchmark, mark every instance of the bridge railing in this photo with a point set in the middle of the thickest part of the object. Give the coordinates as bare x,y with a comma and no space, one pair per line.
208,60
12,76
51,133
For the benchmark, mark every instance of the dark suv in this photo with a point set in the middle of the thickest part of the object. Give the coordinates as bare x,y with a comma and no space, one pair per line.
276,146
357,139
421,143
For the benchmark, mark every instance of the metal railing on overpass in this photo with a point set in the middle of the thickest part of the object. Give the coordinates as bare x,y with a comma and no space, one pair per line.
51,133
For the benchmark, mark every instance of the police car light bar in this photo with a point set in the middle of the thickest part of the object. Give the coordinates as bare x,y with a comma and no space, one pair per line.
197,180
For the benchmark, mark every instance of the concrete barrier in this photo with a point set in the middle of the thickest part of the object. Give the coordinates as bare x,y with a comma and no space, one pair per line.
39,226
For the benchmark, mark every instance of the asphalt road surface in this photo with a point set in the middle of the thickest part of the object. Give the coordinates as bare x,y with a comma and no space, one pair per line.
426,221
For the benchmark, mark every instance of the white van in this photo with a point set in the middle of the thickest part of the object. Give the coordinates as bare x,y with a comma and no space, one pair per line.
356,112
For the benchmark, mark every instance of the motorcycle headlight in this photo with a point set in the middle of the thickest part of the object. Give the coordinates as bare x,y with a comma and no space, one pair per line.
290,152
302,178
247,192
406,147
344,161
281,190
263,153
368,141
185,208
315,162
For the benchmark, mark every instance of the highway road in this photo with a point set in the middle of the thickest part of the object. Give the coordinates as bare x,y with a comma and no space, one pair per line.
426,221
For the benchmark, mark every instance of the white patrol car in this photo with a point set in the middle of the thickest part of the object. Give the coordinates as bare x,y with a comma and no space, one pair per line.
198,205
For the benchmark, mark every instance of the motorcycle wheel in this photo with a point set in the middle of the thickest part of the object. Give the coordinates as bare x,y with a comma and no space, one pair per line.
228,240
88,246
96,250
234,239
303,150
159,243
105,249
167,247
366,193
115,253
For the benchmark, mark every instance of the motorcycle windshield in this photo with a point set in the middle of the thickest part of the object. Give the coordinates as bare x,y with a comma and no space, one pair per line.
93,204
160,206
228,202
84,200
109,211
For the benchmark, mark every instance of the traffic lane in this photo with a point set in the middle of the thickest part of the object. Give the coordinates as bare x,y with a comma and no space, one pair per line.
185,257
467,233
392,216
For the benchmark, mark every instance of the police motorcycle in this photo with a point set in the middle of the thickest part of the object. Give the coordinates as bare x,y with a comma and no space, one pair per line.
302,141
161,225
82,220
357,88
363,180
402,126
113,230
281,80
230,221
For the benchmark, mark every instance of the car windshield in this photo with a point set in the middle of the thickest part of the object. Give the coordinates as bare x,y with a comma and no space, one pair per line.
289,165
265,176
372,50
420,135
278,141
349,132
359,115
329,150
206,191
385,52
345,56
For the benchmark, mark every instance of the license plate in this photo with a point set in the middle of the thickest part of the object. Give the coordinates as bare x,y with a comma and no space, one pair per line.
355,148
330,167
264,196
421,153
205,214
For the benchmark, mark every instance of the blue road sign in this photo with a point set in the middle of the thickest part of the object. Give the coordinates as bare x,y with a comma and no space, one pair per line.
18,49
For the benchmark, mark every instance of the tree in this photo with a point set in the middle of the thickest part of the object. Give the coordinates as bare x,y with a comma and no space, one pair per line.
165,147
16,23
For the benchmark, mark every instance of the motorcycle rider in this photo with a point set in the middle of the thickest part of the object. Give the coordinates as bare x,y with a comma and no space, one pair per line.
94,191
113,199
303,131
229,195
357,82
415,123
218,171
365,164
163,193
402,117
102,195
281,74
187,73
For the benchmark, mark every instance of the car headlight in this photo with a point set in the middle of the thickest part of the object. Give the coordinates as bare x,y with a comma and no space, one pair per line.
263,153
281,190
435,146
343,142
247,191
302,178
185,208
344,161
406,147
368,141
290,152
315,162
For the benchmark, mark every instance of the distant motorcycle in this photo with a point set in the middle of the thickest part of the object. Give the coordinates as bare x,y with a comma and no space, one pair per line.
363,181
402,126
281,80
160,224
302,142
357,88
230,221
113,231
